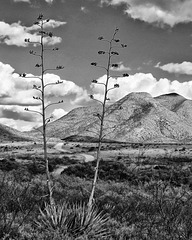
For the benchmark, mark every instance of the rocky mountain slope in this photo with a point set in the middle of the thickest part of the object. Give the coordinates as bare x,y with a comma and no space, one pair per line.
11,134
137,117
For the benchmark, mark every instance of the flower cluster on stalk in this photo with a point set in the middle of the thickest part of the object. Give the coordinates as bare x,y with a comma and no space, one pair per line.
111,54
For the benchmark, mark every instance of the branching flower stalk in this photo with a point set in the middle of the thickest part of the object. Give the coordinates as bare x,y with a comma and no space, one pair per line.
112,44
41,22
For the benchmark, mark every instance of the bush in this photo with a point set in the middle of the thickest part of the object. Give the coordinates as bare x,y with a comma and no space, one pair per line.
73,221
109,170
143,203
8,164
17,205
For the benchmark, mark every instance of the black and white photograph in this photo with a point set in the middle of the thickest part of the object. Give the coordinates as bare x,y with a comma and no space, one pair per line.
96,120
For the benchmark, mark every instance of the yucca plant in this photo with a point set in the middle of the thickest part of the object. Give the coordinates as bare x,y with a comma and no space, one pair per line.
73,220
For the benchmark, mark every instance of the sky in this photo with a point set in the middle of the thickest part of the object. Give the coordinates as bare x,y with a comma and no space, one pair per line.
158,56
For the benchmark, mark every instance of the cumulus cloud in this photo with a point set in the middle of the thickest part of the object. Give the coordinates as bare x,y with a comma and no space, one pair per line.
49,1
16,93
28,1
50,24
15,33
16,117
66,88
9,122
180,68
58,113
120,67
141,82
16,90
6,80
18,113
159,12
20,124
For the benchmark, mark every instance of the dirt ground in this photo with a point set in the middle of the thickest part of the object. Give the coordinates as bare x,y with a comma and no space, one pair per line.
109,150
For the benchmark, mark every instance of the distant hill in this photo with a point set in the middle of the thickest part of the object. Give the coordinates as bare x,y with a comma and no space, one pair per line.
137,117
10,134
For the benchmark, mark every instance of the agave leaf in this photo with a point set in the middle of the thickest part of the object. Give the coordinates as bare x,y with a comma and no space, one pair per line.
75,219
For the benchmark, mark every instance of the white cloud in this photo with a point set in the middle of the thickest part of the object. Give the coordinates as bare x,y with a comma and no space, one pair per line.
19,91
9,122
50,24
120,67
49,1
6,80
84,9
142,82
16,93
180,68
28,1
114,2
67,88
159,12
20,124
15,33
58,113
54,24
18,113
16,117
14,90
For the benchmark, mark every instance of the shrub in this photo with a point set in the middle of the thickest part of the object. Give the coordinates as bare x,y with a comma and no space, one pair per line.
109,170
17,204
73,221
8,165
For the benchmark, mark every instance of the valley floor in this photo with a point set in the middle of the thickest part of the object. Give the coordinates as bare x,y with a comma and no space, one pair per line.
24,152
146,189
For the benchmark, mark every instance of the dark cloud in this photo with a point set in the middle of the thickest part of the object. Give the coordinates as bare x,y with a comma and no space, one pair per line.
4,100
16,115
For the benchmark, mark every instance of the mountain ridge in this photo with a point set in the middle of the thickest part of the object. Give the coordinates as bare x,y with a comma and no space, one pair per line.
11,134
136,117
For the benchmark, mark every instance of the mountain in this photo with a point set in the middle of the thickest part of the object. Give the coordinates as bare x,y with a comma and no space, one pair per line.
137,117
10,134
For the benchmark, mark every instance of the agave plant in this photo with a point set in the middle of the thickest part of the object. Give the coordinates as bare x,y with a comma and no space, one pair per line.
73,220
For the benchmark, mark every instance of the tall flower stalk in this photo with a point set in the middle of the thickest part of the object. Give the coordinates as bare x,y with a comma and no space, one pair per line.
113,43
41,23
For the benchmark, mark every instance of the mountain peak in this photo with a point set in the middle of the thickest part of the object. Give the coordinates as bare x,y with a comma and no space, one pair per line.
136,117
172,101
137,95
140,94
173,94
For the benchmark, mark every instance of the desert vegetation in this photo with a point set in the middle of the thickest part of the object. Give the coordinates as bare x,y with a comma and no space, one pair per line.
136,198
